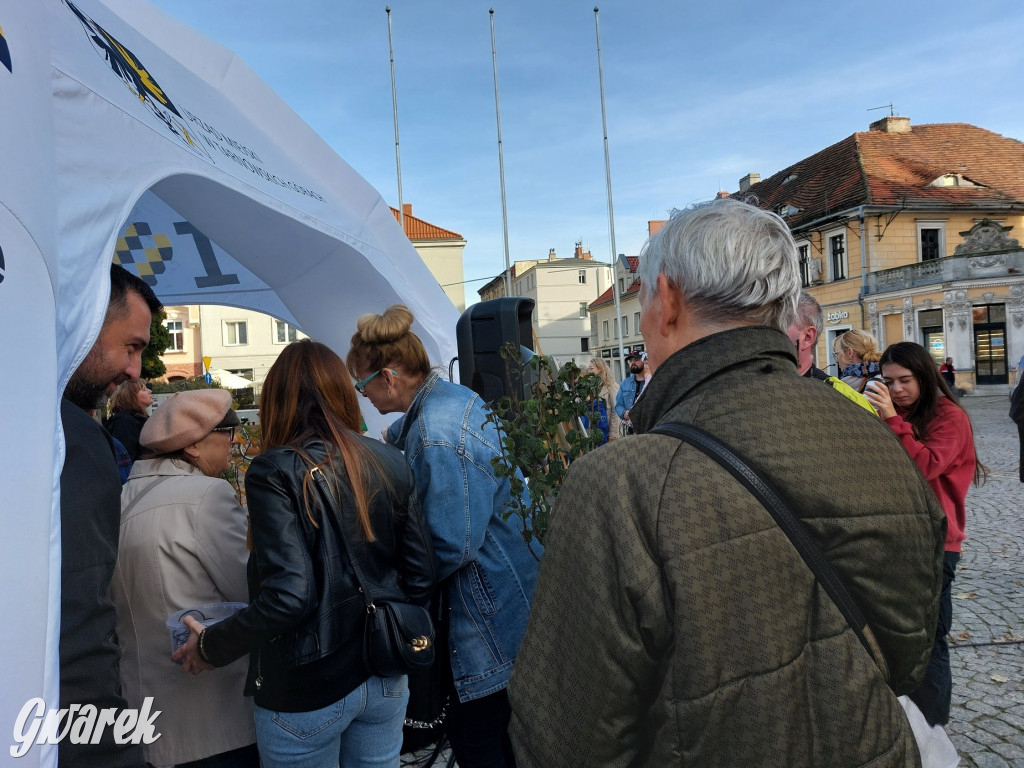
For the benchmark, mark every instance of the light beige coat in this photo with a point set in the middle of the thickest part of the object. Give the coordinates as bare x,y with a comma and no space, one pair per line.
182,544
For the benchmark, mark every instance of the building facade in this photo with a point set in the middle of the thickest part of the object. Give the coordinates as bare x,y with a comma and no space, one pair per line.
910,232
562,290
604,319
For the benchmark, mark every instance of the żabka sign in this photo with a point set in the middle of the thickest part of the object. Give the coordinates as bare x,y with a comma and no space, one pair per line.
835,317
82,725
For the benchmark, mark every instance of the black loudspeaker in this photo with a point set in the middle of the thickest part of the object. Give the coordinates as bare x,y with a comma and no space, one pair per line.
481,332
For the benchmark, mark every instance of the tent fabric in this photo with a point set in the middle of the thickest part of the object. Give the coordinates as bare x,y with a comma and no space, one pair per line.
30,453
129,136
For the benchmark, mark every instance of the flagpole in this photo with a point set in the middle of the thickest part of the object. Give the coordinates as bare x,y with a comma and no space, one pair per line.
611,208
501,159
394,110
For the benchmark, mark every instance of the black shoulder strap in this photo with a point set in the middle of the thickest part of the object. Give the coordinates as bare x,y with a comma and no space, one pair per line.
785,519
332,517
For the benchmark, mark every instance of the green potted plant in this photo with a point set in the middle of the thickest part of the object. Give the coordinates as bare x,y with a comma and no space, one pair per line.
542,434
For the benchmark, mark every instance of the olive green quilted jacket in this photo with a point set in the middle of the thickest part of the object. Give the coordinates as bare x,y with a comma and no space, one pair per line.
675,624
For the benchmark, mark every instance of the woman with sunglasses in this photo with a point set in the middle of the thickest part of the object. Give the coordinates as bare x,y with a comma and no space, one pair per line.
317,703
935,430
182,545
490,571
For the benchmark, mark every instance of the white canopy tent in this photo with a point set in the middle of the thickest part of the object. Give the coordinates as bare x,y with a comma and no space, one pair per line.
229,380
126,133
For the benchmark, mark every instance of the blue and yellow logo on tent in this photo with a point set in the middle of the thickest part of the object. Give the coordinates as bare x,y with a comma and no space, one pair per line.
139,80
5,52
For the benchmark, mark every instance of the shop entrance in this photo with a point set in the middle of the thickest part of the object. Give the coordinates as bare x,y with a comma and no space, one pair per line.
990,344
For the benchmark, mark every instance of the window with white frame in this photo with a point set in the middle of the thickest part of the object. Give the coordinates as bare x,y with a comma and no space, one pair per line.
284,333
625,325
583,277
583,309
177,332
804,252
931,240
236,333
622,285
604,327
837,255
636,321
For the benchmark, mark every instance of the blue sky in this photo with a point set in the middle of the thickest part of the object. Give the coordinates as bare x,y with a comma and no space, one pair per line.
698,95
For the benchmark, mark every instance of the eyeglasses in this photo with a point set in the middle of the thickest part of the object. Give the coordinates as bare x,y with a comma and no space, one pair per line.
361,384
229,431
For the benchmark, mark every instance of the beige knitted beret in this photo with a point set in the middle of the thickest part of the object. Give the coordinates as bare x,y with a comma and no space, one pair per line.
187,418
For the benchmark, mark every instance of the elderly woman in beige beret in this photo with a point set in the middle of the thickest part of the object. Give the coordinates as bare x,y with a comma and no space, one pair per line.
183,544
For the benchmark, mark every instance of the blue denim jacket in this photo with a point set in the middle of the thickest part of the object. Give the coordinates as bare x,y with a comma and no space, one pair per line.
627,395
449,446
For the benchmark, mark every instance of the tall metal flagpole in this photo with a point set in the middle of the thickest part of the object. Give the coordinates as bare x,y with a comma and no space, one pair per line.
394,109
608,183
501,159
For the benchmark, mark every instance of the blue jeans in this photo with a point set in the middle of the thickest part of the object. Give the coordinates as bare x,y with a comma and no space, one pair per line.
362,729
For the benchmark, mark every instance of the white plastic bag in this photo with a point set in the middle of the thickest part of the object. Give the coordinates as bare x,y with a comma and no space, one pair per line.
937,751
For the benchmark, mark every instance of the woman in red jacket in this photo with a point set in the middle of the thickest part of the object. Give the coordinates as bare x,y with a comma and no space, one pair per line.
927,418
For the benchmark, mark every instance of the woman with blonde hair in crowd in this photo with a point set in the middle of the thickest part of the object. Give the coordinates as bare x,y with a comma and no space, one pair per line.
128,414
609,390
318,703
489,569
858,357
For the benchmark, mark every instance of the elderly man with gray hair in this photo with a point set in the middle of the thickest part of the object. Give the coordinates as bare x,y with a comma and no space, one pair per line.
674,622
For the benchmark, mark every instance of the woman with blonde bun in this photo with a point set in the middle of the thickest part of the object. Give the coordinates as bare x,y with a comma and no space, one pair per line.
489,570
858,356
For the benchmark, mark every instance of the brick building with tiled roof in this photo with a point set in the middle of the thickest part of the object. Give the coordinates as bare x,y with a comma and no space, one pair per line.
909,232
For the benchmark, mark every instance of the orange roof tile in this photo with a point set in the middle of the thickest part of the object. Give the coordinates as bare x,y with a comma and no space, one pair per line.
418,229
897,169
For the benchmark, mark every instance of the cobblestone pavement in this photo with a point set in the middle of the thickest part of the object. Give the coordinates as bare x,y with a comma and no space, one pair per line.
987,637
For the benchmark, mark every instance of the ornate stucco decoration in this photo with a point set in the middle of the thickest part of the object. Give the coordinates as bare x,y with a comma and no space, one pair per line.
984,237
958,309
1015,306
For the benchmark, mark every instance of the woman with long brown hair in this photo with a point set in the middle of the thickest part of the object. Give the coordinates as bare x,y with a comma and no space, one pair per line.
315,697
935,430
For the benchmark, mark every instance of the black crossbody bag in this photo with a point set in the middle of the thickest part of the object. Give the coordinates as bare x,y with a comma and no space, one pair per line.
399,637
786,520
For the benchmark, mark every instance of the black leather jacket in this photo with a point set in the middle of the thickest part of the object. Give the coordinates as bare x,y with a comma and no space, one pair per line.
304,623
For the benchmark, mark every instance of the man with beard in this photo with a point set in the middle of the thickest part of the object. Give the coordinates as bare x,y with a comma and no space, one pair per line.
630,389
90,513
